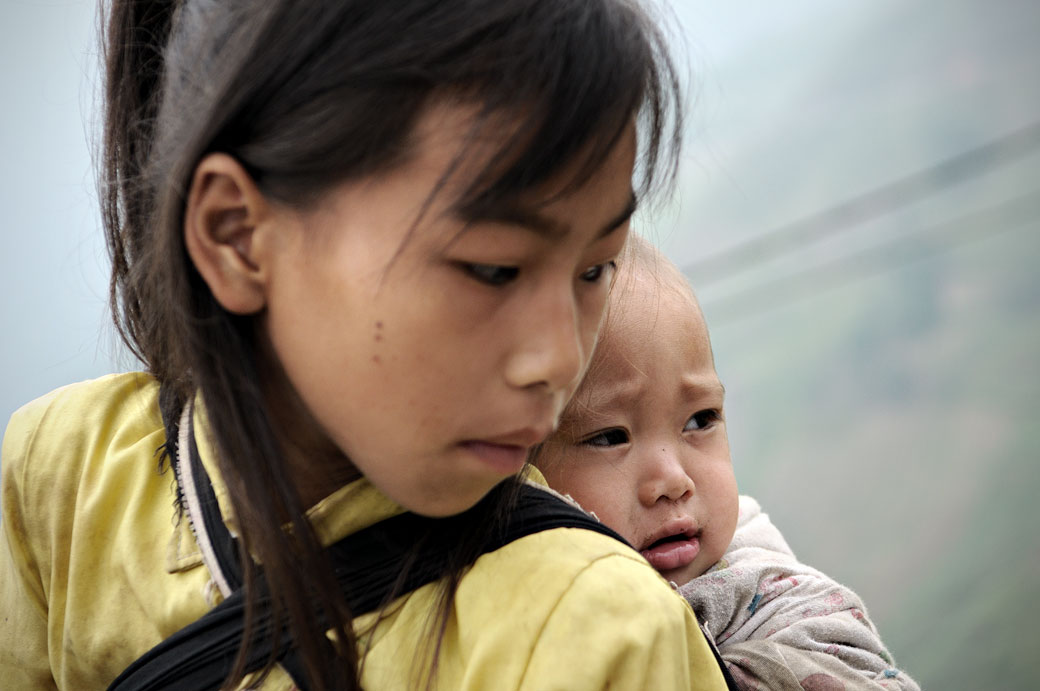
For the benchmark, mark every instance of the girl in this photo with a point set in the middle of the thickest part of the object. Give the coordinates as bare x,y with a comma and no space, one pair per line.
332,227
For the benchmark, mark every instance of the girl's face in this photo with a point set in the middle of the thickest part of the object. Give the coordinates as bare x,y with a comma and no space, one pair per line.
435,354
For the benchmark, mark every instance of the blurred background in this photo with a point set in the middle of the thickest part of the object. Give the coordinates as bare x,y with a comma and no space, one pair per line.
858,209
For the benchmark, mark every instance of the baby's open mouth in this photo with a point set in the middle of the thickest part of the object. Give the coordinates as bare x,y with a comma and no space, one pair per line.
672,551
665,540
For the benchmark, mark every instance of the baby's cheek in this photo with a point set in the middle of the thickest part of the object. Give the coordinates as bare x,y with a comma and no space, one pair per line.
720,541
551,462
587,494
566,475
726,524
597,492
594,498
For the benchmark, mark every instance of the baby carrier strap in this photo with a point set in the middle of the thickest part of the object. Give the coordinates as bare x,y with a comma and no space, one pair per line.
219,548
384,561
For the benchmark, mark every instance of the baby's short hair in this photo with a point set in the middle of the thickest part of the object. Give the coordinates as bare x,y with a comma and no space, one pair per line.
641,261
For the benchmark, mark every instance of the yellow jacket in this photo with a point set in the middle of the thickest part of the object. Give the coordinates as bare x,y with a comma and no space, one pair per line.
96,567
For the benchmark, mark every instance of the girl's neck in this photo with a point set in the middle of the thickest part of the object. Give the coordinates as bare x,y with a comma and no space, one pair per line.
318,467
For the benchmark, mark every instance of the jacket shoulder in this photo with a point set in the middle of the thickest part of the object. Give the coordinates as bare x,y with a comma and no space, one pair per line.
582,610
81,414
79,437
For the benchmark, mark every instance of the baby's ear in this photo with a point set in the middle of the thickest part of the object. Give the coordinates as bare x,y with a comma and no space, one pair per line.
225,222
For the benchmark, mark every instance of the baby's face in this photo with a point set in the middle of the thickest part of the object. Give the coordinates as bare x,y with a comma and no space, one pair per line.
643,444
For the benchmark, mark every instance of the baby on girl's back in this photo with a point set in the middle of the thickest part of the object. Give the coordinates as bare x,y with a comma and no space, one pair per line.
643,446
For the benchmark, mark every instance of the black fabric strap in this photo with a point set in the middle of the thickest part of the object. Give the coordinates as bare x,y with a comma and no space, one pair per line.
731,683
224,544
368,564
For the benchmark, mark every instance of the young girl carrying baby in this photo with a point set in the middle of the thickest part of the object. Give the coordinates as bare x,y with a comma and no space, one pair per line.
362,249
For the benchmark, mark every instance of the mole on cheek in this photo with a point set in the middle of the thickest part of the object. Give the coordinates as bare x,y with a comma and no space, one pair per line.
378,337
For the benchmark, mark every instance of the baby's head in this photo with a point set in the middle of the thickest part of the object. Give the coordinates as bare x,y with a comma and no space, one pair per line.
643,442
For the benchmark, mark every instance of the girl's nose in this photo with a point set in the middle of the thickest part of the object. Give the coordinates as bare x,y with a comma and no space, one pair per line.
552,350
665,478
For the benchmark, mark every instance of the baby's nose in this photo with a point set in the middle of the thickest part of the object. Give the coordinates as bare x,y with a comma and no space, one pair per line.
666,477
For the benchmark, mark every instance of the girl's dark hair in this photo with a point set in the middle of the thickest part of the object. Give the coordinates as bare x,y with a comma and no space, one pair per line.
306,94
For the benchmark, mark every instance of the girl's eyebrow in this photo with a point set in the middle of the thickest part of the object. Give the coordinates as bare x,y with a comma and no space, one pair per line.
527,218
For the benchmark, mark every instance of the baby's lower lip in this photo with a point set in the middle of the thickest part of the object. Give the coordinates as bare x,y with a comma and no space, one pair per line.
673,555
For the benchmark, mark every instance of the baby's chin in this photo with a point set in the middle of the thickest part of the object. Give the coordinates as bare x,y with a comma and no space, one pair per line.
681,576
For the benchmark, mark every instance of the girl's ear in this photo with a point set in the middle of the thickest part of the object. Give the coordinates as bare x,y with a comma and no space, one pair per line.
226,224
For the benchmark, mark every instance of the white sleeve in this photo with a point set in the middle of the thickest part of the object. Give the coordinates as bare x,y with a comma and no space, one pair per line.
776,619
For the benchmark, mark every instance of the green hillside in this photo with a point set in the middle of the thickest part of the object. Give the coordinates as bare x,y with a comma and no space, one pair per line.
882,382
888,428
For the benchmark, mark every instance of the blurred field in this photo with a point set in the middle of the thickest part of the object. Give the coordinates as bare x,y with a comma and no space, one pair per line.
882,376
882,383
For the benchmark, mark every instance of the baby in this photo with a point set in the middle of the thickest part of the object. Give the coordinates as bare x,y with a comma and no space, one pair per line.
643,445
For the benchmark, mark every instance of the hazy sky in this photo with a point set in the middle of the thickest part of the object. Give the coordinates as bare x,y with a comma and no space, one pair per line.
762,139
52,266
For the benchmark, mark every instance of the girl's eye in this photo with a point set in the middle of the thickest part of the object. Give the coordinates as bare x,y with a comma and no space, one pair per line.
492,274
702,419
608,437
595,273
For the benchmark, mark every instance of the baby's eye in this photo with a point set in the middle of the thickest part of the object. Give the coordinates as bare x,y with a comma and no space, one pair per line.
492,274
608,437
702,419
597,272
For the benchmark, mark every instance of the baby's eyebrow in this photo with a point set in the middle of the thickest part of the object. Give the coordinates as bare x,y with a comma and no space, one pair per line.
618,394
704,386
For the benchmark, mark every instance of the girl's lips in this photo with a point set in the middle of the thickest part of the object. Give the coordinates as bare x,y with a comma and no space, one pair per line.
674,554
506,459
